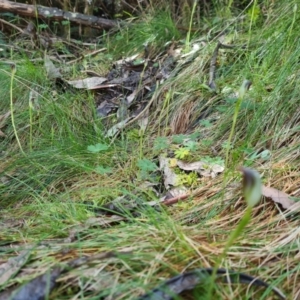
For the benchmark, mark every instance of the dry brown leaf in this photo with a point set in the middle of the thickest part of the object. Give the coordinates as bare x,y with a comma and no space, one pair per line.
277,196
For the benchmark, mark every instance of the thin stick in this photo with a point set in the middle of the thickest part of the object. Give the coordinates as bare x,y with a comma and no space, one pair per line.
12,25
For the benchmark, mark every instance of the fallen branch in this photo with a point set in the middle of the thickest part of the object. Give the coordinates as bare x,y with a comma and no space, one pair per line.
55,14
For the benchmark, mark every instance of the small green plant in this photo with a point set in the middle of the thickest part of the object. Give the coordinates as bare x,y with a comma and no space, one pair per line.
179,138
205,123
43,26
213,160
207,143
102,170
254,12
187,179
146,165
191,145
264,155
161,143
182,153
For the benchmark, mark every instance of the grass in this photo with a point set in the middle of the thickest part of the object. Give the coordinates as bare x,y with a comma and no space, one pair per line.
48,194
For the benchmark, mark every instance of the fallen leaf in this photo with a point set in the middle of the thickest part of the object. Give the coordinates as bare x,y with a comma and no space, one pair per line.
132,96
143,121
116,128
175,192
202,168
277,196
104,221
128,59
12,266
105,108
87,83
52,71
170,178
194,166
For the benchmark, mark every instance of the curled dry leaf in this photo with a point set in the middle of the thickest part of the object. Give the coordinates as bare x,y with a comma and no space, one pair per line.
277,196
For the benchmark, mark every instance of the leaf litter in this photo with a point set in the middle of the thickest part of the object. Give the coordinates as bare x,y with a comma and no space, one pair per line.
41,286
137,81
189,280
131,85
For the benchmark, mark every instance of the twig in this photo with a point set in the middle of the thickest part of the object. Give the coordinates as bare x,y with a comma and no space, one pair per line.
175,199
12,25
52,13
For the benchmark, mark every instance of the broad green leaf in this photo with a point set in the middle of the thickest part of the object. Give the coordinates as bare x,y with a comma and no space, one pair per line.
103,170
146,165
161,143
97,148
